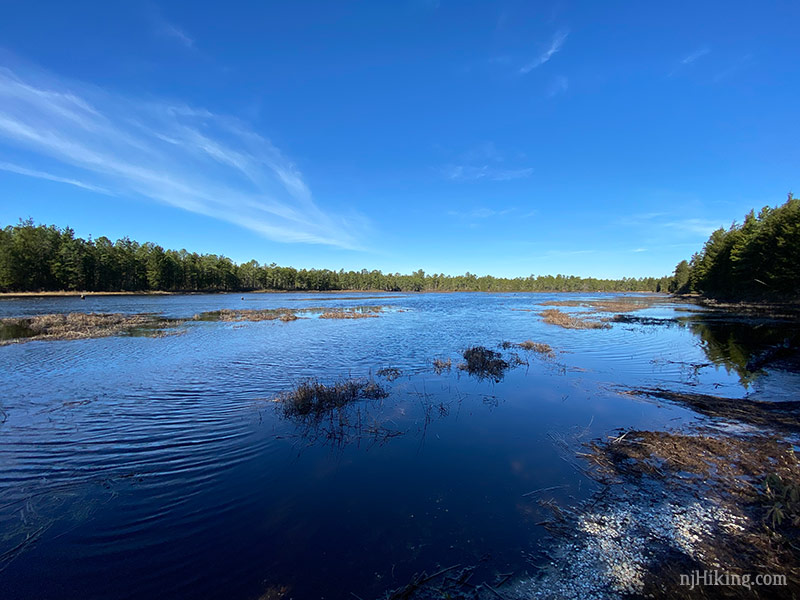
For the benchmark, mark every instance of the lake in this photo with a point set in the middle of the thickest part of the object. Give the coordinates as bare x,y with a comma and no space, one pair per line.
140,467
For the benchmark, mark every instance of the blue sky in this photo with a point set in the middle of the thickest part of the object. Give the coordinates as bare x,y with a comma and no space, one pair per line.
591,138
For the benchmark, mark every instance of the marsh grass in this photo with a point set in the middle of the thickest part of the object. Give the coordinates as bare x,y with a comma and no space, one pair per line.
440,365
289,314
231,315
75,326
531,346
619,304
389,373
484,363
347,314
310,398
553,316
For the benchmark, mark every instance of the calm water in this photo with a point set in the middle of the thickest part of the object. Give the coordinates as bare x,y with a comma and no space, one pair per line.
135,467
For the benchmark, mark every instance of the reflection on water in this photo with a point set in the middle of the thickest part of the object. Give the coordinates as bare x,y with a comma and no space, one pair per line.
744,346
138,467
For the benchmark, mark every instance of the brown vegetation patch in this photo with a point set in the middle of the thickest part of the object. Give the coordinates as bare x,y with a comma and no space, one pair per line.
484,363
389,373
75,326
440,365
554,316
231,315
531,346
310,398
619,304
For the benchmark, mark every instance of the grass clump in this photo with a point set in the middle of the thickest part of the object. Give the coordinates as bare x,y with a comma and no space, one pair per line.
539,347
310,398
531,346
484,363
389,373
553,316
440,365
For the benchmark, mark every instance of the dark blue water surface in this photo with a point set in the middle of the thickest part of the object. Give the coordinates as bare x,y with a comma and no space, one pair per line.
138,467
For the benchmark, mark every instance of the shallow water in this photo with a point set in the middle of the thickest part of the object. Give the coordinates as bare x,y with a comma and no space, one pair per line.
135,467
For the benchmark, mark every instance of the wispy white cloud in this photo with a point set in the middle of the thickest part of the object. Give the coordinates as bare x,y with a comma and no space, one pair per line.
555,45
690,58
559,85
490,172
178,34
741,63
175,154
20,170
483,162
695,226
162,27
481,213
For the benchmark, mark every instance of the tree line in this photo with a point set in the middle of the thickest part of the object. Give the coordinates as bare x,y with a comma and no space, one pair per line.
48,258
758,258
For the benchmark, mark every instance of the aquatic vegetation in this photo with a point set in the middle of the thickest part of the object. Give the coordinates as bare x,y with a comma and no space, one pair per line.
347,314
389,373
229,315
782,498
440,365
615,304
484,363
289,314
450,583
530,345
73,326
312,398
553,316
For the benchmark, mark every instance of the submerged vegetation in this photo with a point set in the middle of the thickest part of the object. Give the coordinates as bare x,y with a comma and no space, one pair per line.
553,316
75,326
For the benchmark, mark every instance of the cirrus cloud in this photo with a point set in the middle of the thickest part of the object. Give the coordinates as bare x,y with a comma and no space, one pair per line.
168,152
